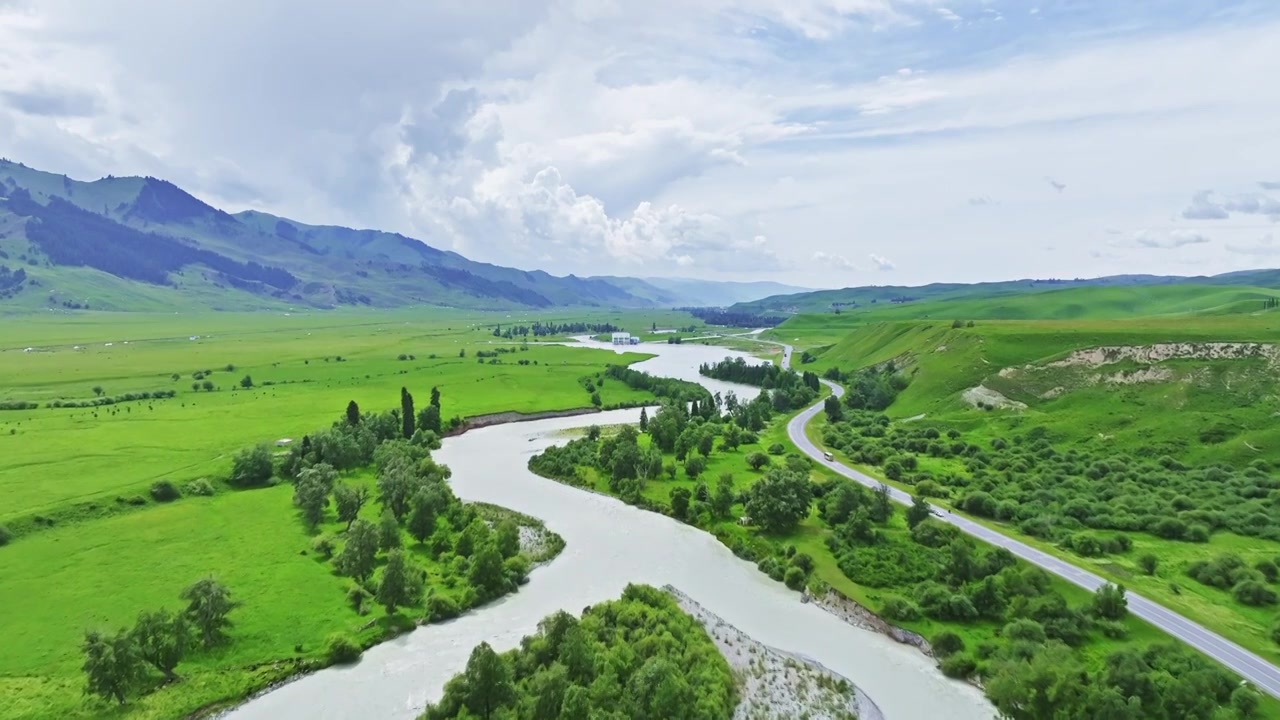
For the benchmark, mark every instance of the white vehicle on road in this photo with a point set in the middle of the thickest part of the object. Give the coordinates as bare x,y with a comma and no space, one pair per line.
828,456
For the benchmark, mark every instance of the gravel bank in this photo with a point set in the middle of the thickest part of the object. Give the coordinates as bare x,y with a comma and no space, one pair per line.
775,685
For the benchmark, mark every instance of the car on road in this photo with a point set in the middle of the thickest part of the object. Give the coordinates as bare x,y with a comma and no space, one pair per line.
828,456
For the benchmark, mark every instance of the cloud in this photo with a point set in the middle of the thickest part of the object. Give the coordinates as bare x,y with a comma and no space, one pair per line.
948,15
1167,240
835,261
50,102
1203,208
1055,184
1269,184
981,200
1265,247
882,263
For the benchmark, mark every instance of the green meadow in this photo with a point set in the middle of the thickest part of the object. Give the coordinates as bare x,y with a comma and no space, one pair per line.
88,546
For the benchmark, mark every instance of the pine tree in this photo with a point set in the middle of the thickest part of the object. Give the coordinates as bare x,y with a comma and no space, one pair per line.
435,397
644,420
353,413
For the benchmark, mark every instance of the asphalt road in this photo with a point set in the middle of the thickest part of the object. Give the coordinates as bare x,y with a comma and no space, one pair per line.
1261,673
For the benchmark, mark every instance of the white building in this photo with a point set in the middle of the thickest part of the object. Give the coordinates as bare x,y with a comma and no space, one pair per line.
621,338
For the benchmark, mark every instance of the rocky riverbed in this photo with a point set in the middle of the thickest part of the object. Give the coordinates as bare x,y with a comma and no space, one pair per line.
775,685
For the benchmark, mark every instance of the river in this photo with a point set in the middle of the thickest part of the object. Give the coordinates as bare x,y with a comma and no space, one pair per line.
608,544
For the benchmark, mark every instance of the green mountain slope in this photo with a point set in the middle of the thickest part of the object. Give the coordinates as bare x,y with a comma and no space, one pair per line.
1078,298
135,243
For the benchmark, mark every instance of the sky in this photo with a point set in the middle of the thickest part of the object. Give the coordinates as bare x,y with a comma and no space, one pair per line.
822,143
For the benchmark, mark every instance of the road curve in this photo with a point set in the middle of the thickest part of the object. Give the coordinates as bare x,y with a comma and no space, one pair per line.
1258,671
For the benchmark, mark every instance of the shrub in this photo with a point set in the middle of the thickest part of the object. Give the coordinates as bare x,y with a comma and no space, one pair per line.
960,665
1268,569
200,487
356,597
323,546
794,578
1112,629
1275,632
896,608
441,607
136,500
776,449
5,536
340,649
946,643
1252,592
1148,563
1024,629
164,491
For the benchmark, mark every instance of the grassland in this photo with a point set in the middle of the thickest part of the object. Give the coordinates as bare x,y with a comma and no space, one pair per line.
85,556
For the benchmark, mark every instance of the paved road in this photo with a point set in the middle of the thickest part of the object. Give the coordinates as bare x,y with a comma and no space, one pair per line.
1264,675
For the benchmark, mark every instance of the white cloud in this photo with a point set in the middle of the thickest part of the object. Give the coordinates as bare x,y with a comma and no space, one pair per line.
980,200
835,261
1265,247
881,263
1167,240
1205,207
948,15
1269,184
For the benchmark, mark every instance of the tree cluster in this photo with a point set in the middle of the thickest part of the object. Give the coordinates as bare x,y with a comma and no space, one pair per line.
637,658
786,390
116,665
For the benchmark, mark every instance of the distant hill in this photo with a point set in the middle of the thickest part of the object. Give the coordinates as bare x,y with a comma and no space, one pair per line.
145,244
1019,298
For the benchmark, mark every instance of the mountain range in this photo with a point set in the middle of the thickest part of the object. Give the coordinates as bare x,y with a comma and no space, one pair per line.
141,243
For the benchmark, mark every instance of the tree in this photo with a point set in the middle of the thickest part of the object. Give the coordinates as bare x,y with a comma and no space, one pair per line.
882,507
487,680
1051,684
757,460
350,500
435,398
397,484
251,467
706,442
353,413
97,390
112,666
360,551
162,639
779,501
1109,602
401,583
644,420
422,516
246,382
1245,700
388,531
918,512
595,399
207,385
311,495
208,604
694,466
406,413
833,408
429,419
487,575
660,691
722,500
507,535
680,502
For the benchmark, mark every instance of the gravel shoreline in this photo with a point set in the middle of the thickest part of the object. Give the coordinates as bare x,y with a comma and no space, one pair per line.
775,685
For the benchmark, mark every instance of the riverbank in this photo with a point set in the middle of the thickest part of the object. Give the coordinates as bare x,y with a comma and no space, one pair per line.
775,685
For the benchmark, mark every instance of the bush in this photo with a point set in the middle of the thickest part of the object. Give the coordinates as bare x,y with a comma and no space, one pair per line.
164,491
946,643
340,649
776,449
794,578
440,608
5,536
1112,629
136,500
356,596
896,608
1252,592
200,487
323,546
960,665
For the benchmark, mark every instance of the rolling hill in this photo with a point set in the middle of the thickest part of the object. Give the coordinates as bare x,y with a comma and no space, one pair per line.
1015,299
144,244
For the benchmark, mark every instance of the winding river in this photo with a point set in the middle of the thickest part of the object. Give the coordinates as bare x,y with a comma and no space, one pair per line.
608,544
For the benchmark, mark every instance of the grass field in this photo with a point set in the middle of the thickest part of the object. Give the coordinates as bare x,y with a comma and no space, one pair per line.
50,458
95,562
